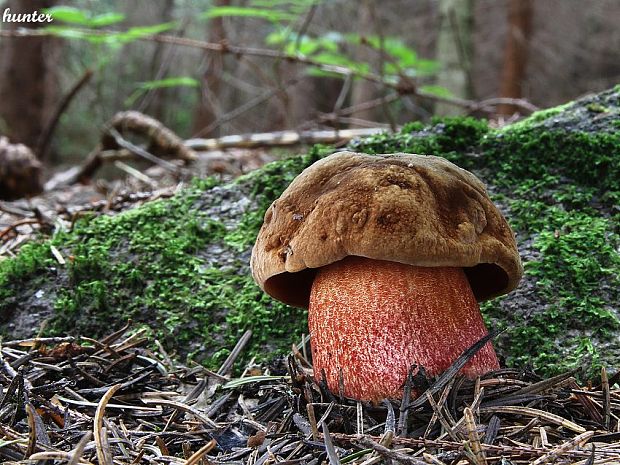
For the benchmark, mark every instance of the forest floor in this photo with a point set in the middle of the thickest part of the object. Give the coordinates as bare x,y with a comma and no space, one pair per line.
115,400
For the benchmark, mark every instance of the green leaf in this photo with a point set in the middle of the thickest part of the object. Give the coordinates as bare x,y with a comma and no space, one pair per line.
106,19
180,81
277,37
337,59
112,38
436,90
68,32
291,4
145,31
68,14
259,13
79,17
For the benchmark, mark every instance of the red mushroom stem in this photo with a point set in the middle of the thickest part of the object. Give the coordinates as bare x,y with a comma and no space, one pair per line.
371,320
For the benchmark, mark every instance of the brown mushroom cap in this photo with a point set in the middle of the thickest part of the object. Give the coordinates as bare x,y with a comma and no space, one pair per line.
415,209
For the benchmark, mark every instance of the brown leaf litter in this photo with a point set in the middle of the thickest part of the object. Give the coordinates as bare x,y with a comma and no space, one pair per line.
120,401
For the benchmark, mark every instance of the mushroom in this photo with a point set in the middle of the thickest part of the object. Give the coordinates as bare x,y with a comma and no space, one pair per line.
390,254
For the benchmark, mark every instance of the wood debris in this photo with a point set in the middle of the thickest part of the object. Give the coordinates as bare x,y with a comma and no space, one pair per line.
121,400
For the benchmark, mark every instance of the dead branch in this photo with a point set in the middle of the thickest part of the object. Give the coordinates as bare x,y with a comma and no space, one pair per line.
280,138
405,86
48,131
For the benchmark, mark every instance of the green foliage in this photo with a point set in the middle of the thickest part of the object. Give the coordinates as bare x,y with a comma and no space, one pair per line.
84,18
111,38
330,49
275,11
248,12
401,59
435,90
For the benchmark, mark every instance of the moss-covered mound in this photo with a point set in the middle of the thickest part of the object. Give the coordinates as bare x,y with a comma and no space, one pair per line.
181,265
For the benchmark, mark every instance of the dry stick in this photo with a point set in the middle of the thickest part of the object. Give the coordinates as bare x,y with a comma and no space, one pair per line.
329,447
474,439
32,431
200,453
442,419
359,418
230,360
279,138
102,453
555,453
116,335
344,91
440,404
382,59
37,341
522,451
389,453
545,384
184,408
11,227
57,455
532,412
390,425
451,372
246,106
76,455
311,414
494,102
591,407
606,398
139,175
163,67
46,136
304,26
403,414
124,143
363,123
360,106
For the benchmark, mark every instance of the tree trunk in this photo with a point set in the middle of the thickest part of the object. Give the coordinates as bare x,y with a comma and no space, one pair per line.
160,63
207,109
28,81
455,51
515,52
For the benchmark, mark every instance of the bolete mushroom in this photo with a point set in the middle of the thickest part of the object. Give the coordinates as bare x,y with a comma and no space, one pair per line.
390,254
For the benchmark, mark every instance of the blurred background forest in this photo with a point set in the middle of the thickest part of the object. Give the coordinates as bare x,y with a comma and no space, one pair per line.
208,68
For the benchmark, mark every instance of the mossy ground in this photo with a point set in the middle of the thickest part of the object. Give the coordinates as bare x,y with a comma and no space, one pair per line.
557,174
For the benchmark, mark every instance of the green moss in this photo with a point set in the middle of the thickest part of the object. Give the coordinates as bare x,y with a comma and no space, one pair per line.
567,141
578,257
454,138
145,264
539,116
267,185
597,108
561,175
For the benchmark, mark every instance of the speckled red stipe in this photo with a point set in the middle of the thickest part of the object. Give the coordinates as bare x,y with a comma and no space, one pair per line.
373,319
